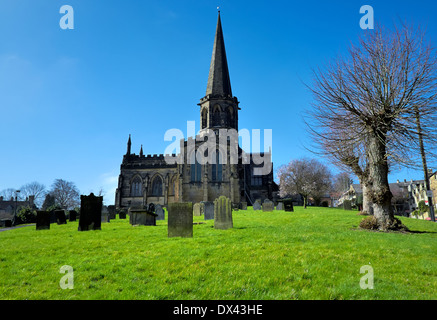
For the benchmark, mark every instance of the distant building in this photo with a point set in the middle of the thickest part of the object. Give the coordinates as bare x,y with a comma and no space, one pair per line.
7,207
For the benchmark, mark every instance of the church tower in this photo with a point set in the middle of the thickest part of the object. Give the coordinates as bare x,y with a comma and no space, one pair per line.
219,108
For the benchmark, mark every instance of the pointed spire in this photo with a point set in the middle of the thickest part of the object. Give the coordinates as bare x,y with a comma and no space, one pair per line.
219,82
129,144
141,151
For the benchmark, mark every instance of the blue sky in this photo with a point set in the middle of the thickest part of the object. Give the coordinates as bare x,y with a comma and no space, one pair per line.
70,98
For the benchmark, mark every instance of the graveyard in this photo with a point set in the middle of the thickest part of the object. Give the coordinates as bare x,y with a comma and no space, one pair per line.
313,253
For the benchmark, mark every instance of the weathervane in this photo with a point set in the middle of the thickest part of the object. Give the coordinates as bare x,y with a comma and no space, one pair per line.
218,8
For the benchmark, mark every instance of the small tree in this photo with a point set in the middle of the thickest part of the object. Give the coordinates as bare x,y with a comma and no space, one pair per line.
65,193
306,177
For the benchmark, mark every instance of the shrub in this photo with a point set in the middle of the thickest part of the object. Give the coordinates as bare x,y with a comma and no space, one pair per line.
26,215
369,223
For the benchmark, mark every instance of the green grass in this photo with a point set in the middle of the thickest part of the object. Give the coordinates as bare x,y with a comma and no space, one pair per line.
315,253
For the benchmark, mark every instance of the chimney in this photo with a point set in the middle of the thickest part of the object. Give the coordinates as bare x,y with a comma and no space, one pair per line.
31,200
1,198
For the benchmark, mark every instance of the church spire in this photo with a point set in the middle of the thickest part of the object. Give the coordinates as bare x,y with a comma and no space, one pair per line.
129,144
219,83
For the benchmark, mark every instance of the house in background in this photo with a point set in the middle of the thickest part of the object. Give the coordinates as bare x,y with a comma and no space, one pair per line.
7,207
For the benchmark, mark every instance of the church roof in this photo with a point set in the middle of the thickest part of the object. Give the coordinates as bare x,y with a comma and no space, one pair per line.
219,82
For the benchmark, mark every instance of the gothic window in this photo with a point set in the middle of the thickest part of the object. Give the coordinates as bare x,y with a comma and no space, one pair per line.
196,169
157,186
229,116
204,118
256,180
136,187
216,116
172,188
217,167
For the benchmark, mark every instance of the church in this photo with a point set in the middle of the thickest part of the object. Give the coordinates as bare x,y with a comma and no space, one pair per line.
233,173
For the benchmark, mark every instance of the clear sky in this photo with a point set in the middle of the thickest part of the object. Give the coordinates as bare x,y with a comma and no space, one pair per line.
70,98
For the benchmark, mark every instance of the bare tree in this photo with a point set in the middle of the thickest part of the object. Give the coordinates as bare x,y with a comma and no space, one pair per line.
364,114
306,177
66,194
35,189
341,183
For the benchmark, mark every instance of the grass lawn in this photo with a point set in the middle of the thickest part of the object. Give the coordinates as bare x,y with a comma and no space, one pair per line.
315,253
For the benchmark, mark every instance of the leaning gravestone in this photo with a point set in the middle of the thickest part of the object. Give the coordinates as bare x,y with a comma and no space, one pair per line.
280,206
196,210
267,205
180,219
160,213
257,205
42,220
208,210
72,215
60,217
142,217
288,206
243,205
90,213
223,213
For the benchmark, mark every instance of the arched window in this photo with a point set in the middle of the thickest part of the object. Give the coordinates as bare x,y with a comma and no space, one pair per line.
217,167
204,118
136,187
196,169
230,116
172,187
157,186
216,115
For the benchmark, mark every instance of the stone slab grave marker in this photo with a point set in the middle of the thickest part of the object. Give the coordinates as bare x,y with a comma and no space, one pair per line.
105,214
42,220
160,213
60,217
122,214
196,210
111,210
223,213
257,205
208,210
142,217
90,213
243,205
180,219
72,215
288,206
267,205
280,206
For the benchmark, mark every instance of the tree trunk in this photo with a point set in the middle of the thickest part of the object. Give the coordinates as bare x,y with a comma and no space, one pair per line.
378,188
305,200
367,203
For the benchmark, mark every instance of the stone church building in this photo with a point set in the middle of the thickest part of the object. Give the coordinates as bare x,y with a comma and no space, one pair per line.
148,179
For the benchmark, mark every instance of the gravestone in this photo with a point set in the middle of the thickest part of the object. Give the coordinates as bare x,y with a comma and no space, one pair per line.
347,205
180,219
257,205
72,215
243,205
208,210
288,206
142,217
235,206
60,217
160,213
53,218
280,206
42,220
111,210
122,214
90,213
196,210
105,214
7,223
267,205
223,213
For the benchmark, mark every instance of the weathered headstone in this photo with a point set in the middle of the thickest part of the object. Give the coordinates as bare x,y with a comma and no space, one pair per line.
347,205
196,210
7,223
223,213
42,220
105,214
72,215
243,205
142,217
267,205
90,213
160,213
257,205
208,210
180,219
280,206
235,206
288,206
121,214
111,210
60,217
